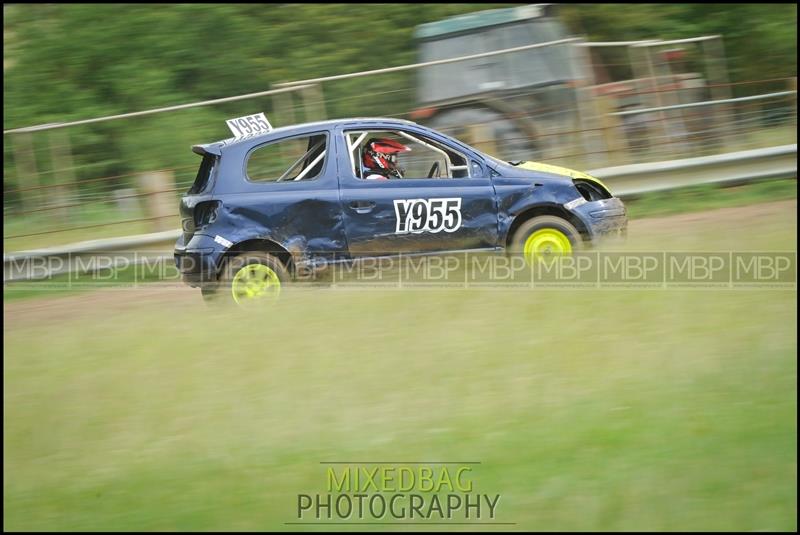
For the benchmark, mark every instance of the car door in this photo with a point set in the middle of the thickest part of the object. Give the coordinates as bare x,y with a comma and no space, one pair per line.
415,214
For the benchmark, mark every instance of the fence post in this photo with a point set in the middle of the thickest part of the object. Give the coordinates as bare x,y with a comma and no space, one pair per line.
159,202
719,88
482,139
585,119
313,102
25,164
663,121
717,70
127,203
63,171
610,130
283,109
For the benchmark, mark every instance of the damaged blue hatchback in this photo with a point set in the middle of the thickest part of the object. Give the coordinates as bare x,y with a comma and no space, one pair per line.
268,203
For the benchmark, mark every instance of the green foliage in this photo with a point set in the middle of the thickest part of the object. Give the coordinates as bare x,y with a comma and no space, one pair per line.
70,62
760,39
66,62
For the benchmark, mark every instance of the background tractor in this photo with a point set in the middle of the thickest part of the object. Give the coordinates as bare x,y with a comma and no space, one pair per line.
552,101
505,102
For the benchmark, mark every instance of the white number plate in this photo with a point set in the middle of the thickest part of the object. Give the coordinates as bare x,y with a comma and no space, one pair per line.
427,215
249,125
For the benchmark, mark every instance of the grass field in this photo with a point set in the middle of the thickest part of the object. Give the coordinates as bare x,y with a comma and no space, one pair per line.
588,409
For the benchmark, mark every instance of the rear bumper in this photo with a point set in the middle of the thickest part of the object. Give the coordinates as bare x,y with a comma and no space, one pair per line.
198,260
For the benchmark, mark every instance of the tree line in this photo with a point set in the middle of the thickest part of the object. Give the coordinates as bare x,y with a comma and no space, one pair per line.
66,62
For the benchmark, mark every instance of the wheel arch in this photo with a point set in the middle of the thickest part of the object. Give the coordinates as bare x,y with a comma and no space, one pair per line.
264,245
545,209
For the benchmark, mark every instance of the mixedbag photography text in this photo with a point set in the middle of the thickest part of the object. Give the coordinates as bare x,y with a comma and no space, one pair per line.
368,492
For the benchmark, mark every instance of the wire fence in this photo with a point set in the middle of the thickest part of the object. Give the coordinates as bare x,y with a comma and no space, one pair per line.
124,174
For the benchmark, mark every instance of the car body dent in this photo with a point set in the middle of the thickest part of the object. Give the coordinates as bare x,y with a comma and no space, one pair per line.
291,224
548,188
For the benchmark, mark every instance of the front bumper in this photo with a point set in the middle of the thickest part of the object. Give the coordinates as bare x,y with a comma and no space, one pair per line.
603,219
198,260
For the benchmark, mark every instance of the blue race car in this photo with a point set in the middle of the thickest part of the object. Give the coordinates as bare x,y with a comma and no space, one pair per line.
268,203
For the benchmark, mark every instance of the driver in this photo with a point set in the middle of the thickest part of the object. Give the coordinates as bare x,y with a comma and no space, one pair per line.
380,159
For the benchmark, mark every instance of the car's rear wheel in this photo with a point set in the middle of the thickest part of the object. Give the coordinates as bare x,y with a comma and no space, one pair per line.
545,237
249,279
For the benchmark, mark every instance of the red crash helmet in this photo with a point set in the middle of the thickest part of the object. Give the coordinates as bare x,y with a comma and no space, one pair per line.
380,156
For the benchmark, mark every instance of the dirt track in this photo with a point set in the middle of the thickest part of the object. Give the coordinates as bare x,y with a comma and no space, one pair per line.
109,301
725,217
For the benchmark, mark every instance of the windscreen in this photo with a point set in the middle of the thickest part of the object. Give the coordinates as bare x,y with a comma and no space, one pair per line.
526,68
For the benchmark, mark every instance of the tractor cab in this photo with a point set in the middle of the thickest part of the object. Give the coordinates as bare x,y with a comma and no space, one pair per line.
507,100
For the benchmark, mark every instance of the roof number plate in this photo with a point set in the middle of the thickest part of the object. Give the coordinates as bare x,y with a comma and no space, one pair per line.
249,125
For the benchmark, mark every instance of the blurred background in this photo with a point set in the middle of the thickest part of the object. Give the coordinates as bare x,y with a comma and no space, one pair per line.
589,409
586,86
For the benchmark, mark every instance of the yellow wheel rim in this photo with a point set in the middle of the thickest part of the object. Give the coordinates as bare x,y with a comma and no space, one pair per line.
255,282
547,243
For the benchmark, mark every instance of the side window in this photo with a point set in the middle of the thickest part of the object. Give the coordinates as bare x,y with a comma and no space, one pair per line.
405,155
286,160
423,161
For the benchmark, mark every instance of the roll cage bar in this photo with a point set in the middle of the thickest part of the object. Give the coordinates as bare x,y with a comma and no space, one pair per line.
352,146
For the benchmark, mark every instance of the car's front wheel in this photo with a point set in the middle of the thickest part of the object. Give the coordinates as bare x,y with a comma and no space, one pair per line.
249,279
545,237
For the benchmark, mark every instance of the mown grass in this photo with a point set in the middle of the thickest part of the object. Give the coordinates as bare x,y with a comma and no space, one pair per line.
623,409
591,409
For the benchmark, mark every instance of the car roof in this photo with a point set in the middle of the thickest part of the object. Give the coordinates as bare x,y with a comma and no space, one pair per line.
479,21
217,147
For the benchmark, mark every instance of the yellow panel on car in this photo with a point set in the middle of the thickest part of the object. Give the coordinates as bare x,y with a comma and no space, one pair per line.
558,170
